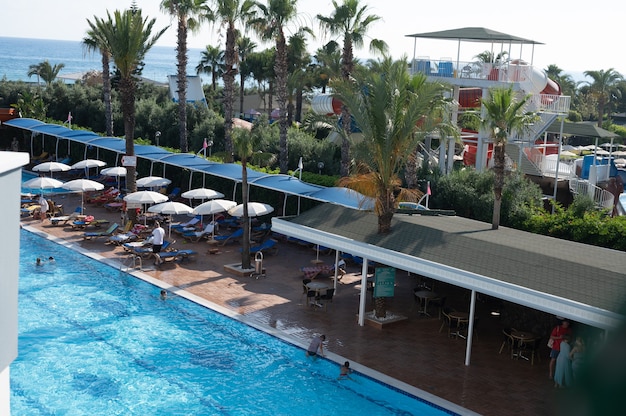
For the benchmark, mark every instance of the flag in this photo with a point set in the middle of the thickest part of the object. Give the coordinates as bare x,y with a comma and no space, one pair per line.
428,189
205,144
69,117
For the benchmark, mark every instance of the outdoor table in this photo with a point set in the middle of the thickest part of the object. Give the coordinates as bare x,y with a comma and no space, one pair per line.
520,338
425,296
317,287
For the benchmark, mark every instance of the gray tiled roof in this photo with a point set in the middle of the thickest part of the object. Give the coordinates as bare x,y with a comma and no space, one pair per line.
592,276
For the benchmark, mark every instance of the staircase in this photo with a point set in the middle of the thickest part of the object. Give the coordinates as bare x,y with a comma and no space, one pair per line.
521,161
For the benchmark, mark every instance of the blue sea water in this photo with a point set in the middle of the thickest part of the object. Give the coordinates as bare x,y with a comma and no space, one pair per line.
18,54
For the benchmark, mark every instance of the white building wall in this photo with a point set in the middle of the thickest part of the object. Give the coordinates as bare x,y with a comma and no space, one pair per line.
10,183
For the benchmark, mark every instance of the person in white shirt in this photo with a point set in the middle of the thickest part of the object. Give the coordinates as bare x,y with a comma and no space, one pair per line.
158,235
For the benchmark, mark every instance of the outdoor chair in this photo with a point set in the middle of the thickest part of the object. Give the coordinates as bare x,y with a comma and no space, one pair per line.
172,256
327,297
94,234
508,341
234,236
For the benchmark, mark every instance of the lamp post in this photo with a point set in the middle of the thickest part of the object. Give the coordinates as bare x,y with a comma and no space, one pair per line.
210,144
320,166
157,135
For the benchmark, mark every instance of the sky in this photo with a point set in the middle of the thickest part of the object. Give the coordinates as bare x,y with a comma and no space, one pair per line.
577,36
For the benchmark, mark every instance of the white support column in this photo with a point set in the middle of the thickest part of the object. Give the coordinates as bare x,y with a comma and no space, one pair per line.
470,328
363,297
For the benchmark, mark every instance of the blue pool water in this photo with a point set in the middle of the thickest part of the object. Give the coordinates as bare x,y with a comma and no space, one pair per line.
95,340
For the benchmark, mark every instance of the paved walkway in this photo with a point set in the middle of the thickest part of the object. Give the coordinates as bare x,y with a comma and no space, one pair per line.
412,351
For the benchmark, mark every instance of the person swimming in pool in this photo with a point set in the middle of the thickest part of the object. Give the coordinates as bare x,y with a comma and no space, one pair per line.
344,371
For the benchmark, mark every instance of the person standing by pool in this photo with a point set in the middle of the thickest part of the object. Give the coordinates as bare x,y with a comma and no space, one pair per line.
43,208
158,235
316,344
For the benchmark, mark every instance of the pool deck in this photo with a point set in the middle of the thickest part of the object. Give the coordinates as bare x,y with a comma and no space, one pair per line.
412,351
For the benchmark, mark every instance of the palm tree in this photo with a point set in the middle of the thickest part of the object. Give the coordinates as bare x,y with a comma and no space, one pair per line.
488,57
328,63
230,13
351,21
211,63
393,111
244,143
604,87
504,115
45,71
270,25
94,41
245,46
129,37
188,14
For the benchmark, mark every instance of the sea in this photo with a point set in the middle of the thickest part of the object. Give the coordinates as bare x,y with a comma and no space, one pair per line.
18,54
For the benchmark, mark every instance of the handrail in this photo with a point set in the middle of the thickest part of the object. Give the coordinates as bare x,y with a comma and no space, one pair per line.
601,197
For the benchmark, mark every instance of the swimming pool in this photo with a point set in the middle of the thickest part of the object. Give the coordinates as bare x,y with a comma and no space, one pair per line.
95,340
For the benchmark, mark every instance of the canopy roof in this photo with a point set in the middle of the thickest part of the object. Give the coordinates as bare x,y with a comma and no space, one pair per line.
581,129
282,183
475,34
582,282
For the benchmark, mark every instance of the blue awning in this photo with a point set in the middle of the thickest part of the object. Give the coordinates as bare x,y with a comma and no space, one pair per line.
281,183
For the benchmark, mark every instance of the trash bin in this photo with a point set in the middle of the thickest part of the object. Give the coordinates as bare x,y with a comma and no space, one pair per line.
258,264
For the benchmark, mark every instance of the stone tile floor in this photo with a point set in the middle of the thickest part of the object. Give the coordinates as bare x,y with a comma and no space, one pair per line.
412,351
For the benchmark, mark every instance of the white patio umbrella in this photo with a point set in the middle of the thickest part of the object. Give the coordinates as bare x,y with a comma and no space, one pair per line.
202,193
213,207
42,183
171,208
52,167
145,198
82,185
88,164
152,182
255,209
115,172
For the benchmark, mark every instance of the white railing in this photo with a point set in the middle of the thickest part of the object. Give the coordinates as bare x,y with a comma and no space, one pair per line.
600,197
548,167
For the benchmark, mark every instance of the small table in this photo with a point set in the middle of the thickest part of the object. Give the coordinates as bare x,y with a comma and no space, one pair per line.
522,337
317,287
425,296
459,317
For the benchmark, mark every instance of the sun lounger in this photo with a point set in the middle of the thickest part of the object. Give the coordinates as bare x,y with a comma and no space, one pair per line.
170,256
196,236
93,235
82,224
266,247
234,236
146,252
64,219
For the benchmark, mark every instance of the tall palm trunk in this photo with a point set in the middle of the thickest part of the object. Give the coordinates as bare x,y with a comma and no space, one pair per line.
280,67
347,66
229,90
181,82
498,185
127,87
106,94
